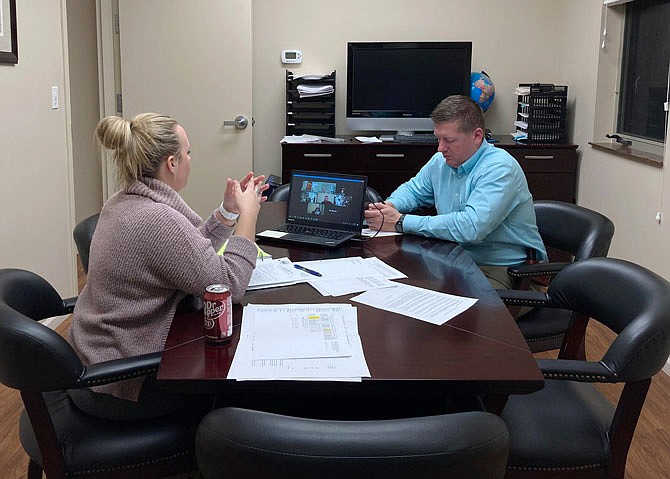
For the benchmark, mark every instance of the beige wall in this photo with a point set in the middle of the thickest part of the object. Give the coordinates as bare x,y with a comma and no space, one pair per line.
35,185
513,41
630,193
84,106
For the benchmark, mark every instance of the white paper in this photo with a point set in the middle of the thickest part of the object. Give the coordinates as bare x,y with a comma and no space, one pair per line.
419,303
272,234
342,286
368,139
351,275
291,332
276,272
349,368
310,139
368,232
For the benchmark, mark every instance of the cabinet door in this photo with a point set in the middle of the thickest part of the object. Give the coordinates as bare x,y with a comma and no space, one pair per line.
550,172
388,166
316,157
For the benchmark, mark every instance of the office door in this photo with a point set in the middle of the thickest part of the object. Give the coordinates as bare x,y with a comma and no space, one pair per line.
192,60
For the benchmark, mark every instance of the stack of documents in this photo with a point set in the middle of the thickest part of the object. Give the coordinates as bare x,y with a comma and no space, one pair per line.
522,90
306,91
276,272
310,139
299,342
330,277
342,276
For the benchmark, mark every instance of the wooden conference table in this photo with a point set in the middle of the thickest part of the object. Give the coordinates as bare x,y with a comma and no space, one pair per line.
480,355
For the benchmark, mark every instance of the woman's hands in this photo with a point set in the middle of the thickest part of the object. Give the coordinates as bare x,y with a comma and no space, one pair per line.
245,197
236,191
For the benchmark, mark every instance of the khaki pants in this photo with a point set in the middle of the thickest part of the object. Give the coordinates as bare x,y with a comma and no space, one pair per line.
499,279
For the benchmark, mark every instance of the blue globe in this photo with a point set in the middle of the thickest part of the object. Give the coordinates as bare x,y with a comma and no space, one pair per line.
482,90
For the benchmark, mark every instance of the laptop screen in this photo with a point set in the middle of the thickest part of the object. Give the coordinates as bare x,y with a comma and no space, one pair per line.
327,200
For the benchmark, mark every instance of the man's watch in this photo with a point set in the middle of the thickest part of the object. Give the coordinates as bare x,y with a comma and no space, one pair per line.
398,224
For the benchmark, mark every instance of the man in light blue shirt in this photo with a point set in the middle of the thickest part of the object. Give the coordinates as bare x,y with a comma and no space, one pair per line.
479,191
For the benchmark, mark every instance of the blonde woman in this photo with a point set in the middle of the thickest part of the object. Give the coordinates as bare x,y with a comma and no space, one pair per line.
150,250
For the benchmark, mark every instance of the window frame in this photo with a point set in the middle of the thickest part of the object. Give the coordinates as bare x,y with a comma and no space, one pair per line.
624,60
608,91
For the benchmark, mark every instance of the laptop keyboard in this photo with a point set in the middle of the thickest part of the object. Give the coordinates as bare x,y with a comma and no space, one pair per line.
311,231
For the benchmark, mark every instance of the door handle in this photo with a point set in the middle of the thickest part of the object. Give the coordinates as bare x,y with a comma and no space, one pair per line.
240,122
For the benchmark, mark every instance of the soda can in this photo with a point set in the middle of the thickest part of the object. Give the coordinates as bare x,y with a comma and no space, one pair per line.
218,314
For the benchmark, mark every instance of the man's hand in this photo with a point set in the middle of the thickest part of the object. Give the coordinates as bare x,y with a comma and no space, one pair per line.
381,216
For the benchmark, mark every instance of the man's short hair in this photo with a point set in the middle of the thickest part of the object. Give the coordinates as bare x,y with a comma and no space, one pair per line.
461,109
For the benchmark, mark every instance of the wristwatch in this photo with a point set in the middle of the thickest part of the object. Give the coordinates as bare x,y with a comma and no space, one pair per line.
398,224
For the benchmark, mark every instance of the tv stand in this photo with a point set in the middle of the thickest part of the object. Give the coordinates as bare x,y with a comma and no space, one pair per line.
551,170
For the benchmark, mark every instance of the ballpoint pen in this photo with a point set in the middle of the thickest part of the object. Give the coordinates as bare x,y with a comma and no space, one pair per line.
307,270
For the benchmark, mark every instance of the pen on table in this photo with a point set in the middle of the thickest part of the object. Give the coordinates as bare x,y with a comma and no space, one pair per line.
307,270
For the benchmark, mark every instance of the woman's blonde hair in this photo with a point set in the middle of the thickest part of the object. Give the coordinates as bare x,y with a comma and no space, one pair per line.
139,145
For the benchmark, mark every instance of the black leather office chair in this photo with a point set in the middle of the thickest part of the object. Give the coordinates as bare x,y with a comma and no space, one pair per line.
579,233
243,444
569,429
281,194
59,438
83,234
373,195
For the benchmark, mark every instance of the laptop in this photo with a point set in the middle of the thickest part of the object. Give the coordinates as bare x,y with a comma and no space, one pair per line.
323,209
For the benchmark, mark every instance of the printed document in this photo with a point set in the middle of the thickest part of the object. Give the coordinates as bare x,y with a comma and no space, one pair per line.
277,272
419,303
290,332
245,366
351,275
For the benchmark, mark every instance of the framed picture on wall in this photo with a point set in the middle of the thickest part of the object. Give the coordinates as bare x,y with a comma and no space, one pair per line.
9,45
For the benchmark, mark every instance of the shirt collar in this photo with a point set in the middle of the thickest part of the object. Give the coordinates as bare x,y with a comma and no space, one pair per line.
469,165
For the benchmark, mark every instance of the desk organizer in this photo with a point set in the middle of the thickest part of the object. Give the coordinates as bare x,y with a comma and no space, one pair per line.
541,113
314,114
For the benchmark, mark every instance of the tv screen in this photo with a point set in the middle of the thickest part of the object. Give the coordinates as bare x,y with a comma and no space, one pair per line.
393,86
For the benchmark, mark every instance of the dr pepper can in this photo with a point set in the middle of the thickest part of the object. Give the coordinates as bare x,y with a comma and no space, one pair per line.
218,314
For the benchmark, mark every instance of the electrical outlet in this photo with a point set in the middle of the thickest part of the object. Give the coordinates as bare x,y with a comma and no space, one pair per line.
54,97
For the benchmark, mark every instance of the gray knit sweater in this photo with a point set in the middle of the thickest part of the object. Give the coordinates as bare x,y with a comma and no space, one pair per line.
148,251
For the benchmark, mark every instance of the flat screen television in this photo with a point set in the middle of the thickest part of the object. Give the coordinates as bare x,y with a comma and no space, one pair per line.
393,86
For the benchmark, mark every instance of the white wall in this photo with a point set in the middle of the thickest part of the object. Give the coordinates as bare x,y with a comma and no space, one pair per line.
84,106
35,184
628,192
513,41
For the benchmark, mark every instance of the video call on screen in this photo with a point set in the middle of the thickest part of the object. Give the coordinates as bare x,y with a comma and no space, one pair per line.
327,199
324,197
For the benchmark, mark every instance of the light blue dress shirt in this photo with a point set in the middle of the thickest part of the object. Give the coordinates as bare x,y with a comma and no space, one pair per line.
484,205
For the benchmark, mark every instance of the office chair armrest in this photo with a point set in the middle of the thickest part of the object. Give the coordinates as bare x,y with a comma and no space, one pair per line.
120,369
538,269
576,370
518,297
69,303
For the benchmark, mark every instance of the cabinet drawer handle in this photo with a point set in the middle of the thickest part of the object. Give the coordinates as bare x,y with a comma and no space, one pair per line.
390,155
538,157
317,155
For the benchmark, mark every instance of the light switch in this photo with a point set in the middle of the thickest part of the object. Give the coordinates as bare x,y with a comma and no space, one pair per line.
54,97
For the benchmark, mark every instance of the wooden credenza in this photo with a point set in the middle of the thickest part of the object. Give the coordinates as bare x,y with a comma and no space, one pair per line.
551,170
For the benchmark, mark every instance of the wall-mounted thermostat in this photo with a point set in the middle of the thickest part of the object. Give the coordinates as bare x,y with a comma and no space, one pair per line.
291,56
